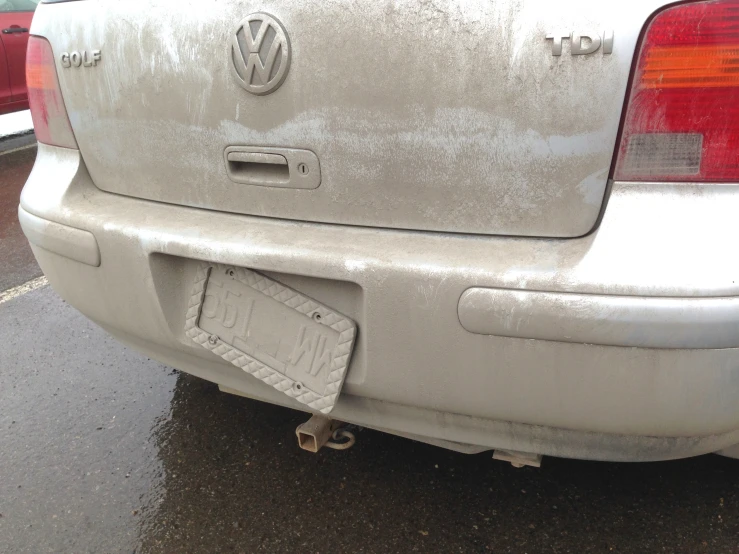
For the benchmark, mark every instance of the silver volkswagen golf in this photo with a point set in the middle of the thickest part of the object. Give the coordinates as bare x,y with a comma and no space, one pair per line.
503,226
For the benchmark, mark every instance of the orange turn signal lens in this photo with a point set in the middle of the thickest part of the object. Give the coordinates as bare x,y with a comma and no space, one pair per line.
691,66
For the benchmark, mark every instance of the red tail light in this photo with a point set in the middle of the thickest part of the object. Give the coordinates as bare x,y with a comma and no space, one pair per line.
682,118
50,120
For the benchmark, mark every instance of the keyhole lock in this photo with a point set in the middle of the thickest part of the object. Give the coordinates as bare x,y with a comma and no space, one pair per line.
303,169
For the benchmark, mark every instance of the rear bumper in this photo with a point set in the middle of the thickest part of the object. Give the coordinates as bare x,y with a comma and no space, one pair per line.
635,360
644,322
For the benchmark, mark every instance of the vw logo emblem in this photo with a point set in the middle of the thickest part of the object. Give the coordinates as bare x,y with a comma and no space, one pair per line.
260,53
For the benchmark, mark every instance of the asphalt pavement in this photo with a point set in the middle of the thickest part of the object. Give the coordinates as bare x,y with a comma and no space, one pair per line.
17,264
104,450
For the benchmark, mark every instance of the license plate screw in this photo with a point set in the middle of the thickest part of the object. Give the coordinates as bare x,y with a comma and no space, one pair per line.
231,273
213,339
317,317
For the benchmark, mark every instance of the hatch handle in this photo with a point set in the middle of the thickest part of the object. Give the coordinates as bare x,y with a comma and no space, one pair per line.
272,166
256,158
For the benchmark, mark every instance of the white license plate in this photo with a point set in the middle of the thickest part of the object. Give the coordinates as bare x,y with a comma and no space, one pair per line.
289,341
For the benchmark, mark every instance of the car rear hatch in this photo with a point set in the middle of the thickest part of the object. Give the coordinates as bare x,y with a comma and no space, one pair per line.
454,116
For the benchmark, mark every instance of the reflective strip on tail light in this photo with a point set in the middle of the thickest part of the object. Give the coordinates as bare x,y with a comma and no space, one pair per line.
50,121
682,118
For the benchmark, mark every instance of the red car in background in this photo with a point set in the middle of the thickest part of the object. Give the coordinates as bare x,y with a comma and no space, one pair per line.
15,21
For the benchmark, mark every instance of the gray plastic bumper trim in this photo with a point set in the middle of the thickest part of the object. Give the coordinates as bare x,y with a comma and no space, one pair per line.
66,241
633,321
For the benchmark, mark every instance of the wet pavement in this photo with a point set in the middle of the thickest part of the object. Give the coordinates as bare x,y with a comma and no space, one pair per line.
16,260
104,450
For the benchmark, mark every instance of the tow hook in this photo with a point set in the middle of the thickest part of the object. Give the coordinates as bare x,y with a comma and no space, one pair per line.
518,459
320,431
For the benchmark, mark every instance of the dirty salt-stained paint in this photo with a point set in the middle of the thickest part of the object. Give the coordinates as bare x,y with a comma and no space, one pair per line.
443,115
437,117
